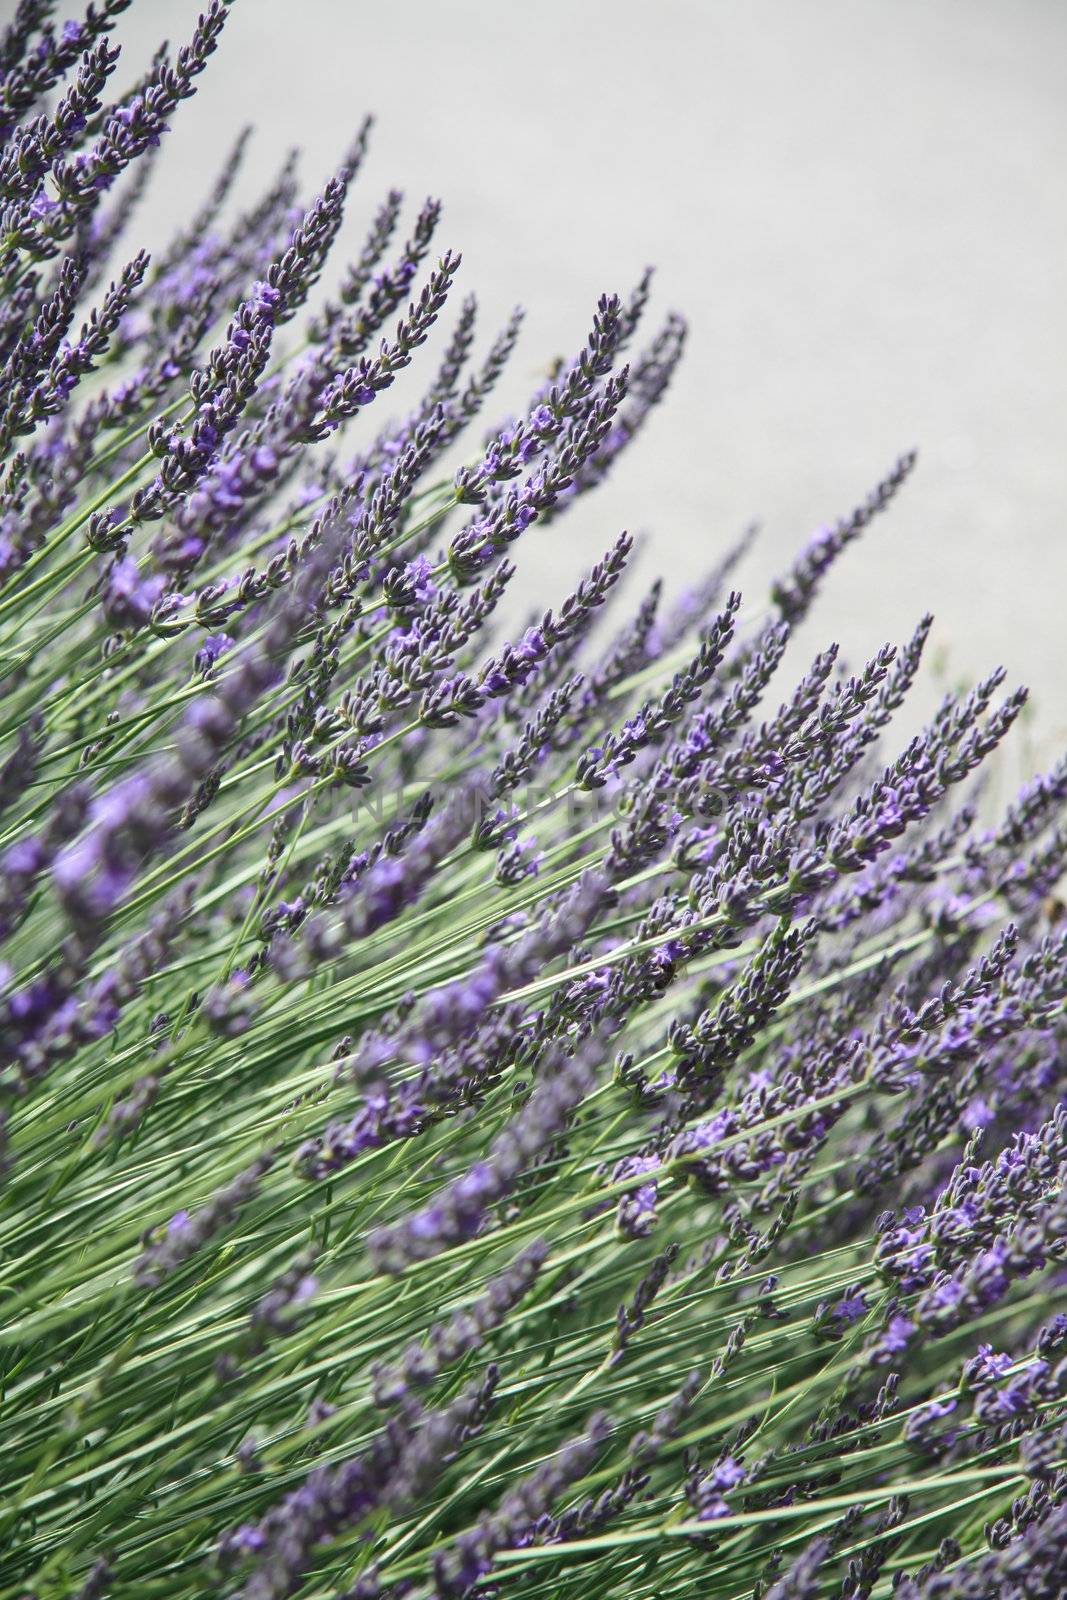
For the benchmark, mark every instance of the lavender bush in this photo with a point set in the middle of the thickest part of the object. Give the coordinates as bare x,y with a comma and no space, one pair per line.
552,1115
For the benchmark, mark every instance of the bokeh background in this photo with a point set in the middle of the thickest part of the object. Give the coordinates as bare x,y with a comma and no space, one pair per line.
858,205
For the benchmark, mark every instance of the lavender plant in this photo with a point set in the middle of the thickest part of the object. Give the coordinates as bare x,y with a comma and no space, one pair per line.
554,1115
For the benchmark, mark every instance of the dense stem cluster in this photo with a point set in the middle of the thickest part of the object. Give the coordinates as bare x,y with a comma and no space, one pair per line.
484,1110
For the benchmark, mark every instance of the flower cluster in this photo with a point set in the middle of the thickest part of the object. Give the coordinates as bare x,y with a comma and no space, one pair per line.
490,1101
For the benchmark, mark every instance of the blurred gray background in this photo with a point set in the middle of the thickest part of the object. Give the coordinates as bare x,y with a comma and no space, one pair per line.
858,204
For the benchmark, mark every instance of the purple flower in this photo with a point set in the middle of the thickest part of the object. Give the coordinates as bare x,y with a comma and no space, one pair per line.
728,1473
851,1308
129,597
892,1341
986,1367
212,649
636,1215
705,1491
